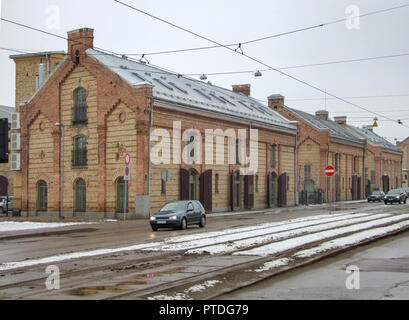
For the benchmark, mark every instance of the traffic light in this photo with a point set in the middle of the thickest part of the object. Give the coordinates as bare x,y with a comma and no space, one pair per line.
4,140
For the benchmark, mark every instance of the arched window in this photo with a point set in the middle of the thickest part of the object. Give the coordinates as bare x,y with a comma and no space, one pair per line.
193,185
80,106
121,202
79,154
80,199
42,196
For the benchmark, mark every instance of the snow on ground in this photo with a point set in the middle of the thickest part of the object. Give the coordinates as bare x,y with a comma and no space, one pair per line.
185,295
238,237
282,246
350,240
230,237
274,264
279,236
255,227
338,243
8,226
69,256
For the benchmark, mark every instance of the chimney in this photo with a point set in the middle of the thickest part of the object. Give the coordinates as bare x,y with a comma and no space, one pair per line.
342,121
276,102
323,114
242,88
78,42
40,73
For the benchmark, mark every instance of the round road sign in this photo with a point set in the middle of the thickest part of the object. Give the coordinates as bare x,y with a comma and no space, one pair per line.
127,159
330,171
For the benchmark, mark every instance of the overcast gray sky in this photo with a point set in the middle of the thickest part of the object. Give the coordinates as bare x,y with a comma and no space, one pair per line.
122,30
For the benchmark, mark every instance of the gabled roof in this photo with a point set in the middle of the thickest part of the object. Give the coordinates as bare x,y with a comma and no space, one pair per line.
374,139
5,112
336,132
181,90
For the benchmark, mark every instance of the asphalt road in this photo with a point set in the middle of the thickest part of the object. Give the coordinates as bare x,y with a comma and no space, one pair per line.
167,269
384,274
102,234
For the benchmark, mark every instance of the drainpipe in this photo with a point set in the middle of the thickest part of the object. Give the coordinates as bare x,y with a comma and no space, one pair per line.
47,58
328,179
363,190
296,200
149,158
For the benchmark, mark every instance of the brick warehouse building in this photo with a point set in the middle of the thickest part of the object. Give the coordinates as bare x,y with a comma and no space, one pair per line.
323,142
404,145
109,106
363,160
383,160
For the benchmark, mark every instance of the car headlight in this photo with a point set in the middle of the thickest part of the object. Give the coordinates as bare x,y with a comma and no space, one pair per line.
173,218
153,218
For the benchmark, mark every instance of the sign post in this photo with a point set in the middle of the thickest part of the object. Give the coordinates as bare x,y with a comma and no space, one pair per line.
127,174
329,171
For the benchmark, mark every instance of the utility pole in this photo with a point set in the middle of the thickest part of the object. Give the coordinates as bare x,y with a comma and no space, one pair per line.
58,124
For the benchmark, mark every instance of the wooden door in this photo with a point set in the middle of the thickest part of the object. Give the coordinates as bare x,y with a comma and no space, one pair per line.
282,192
249,191
184,184
206,190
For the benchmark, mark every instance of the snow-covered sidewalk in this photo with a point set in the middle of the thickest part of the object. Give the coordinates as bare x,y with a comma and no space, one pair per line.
9,226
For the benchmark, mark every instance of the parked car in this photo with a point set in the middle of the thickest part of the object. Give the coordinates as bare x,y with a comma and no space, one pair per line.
377,195
178,215
3,204
395,195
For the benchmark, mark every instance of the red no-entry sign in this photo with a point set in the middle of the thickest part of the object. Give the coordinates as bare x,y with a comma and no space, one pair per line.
330,171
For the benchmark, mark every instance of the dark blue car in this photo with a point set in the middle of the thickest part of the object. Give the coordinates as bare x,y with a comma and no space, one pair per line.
179,215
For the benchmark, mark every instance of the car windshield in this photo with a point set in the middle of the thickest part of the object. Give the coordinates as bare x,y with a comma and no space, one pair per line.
174,206
376,193
393,192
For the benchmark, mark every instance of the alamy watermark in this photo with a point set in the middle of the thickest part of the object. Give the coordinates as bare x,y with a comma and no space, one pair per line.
353,280
242,148
353,20
53,280
0,12
53,19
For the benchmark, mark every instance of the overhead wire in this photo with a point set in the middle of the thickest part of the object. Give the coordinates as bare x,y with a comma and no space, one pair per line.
259,61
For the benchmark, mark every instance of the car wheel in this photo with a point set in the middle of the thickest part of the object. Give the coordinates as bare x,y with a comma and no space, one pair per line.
154,228
202,222
399,201
183,224
386,203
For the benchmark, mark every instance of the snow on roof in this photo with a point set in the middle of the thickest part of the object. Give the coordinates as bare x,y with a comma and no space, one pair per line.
373,138
174,88
335,130
36,54
6,112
